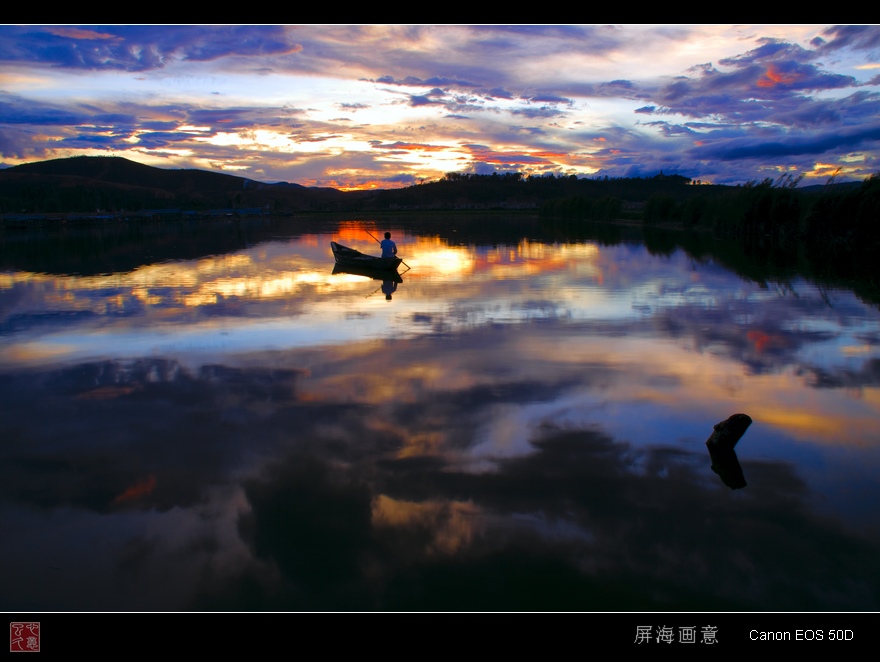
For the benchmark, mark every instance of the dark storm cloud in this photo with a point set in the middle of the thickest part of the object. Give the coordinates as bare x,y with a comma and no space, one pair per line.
610,90
84,140
550,98
735,96
18,143
865,37
243,117
158,125
159,139
18,110
71,124
543,111
762,81
424,100
565,31
867,375
454,103
769,50
117,120
15,109
483,44
138,48
613,88
789,145
803,112
496,39
435,81
670,129
498,93
400,179
400,145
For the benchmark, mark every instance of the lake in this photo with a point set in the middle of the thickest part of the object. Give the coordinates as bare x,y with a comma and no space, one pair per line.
203,416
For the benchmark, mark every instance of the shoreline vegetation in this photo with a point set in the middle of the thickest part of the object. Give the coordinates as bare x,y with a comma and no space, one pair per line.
829,232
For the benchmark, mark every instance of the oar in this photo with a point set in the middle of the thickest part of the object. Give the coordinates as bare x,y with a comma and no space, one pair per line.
380,243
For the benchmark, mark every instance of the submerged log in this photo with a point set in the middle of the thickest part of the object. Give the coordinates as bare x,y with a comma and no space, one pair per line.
721,443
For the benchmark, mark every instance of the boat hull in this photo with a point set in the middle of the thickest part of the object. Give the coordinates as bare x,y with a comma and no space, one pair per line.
349,257
375,274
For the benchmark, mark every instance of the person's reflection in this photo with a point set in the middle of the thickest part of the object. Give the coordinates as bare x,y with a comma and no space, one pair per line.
389,287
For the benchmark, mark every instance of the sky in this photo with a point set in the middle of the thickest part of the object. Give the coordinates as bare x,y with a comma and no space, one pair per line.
386,106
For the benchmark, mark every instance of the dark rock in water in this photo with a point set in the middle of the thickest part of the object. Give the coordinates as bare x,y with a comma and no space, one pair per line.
721,444
727,433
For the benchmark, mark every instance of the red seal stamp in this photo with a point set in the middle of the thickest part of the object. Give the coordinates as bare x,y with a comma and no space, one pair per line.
24,637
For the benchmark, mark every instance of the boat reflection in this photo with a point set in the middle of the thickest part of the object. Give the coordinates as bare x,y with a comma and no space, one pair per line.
385,275
389,277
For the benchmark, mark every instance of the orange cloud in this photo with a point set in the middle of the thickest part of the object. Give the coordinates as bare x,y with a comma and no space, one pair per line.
79,33
491,156
139,489
763,341
774,77
759,338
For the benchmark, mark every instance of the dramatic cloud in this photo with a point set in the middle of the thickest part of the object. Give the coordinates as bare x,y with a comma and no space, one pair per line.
260,98
790,146
857,37
138,48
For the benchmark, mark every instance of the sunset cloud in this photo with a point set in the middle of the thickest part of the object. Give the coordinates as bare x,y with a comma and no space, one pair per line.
725,101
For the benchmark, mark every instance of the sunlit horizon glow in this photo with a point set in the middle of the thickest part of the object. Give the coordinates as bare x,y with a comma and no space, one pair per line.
383,106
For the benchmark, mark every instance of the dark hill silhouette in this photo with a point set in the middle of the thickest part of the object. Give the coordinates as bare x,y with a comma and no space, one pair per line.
119,170
113,183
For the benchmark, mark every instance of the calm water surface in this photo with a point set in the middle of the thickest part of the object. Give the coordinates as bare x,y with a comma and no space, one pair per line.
520,426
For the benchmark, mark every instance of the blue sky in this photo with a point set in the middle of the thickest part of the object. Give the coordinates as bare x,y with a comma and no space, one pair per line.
360,106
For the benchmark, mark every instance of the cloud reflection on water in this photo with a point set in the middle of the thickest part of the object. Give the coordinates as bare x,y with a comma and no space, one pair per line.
515,451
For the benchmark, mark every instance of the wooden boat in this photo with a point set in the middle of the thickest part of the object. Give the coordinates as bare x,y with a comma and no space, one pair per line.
349,257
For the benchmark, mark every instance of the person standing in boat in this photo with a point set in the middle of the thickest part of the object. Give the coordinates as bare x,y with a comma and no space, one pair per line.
389,248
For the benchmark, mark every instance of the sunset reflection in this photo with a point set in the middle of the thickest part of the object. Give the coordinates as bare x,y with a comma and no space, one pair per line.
316,446
450,525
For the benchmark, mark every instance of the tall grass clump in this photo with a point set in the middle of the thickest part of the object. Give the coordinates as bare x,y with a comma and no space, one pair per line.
761,210
843,227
